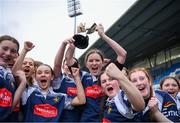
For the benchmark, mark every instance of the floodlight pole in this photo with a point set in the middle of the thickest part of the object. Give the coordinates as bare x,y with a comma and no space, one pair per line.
75,17
74,9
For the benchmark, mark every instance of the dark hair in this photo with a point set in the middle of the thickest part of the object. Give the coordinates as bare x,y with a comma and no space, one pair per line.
169,77
52,72
104,98
7,37
37,63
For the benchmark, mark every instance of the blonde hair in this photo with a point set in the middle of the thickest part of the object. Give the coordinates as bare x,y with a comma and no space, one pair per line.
94,51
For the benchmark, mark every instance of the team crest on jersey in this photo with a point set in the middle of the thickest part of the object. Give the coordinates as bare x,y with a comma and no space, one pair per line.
109,109
56,99
12,83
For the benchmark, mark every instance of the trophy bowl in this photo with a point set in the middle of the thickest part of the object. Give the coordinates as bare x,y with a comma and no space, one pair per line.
81,41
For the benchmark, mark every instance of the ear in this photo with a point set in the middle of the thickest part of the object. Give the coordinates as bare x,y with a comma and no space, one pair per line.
52,77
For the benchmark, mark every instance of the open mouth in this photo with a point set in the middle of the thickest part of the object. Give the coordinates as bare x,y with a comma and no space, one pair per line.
43,81
6,59
26,70
141,88
109,89
171,92
95,69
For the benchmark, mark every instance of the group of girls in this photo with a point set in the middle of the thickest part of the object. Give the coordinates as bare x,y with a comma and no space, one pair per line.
68,94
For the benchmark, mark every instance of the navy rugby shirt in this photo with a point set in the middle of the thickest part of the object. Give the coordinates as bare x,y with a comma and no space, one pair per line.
7,90
46,107
118,109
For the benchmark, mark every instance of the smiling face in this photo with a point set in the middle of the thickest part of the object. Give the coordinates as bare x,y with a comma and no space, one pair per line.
8,52
170,85
44,76
109,85
142,82
94,63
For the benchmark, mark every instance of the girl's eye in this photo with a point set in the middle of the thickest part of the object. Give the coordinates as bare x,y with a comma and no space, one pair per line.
102,82
134,81
39,72
5,48
111,79
141,78
174,85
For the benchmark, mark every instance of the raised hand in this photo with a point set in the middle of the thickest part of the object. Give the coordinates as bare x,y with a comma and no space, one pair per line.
28,45
113,71
75,72
100,29
81,28
153,104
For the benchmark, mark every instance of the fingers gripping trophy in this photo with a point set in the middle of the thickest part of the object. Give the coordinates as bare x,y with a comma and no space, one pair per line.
81,38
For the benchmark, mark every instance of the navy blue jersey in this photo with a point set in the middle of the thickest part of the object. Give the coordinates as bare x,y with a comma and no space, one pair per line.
65,84
14,116
47,108
7,90
118,109
94,94
166,105
88,112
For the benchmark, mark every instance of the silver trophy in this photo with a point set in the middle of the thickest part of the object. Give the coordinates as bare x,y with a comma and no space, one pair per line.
82,39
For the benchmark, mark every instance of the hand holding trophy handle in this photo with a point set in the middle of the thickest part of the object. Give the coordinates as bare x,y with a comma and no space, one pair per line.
82,39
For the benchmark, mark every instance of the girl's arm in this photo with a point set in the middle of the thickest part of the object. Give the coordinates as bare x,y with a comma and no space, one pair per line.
19,61
59,58
120,51
80,99
70,53
155,113
133,94
21,78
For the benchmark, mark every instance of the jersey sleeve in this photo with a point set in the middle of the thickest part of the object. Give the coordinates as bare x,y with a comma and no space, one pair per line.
27,92
67,103
123,105
57,82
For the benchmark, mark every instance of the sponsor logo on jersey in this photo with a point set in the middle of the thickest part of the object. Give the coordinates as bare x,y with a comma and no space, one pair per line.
72,91
105,120
168,104
45,110
94,91
169,109
5,98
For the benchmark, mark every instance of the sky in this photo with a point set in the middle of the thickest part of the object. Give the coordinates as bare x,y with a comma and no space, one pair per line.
46,22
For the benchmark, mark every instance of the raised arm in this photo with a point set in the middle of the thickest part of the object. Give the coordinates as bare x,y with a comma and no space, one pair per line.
120,51
133,94
21,78
70,53
59,58
19,61
80,99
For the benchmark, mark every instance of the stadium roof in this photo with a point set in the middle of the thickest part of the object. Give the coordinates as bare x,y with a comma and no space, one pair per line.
147,27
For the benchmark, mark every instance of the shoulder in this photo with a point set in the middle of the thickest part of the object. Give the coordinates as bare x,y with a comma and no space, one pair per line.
161,93
85,75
